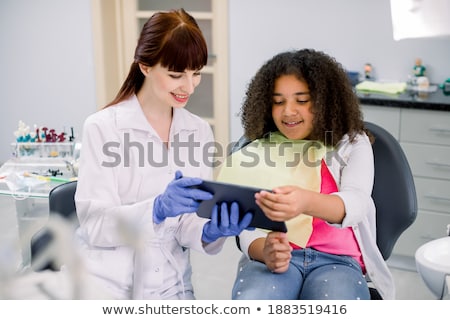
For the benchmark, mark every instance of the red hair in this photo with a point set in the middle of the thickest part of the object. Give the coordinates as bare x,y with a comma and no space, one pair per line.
172,39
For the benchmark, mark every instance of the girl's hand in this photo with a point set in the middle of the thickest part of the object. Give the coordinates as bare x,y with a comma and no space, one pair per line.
284,203
277,252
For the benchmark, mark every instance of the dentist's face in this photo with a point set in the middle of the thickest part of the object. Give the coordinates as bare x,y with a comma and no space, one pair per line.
172,88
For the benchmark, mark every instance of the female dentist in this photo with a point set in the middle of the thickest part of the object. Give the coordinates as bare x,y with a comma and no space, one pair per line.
141,155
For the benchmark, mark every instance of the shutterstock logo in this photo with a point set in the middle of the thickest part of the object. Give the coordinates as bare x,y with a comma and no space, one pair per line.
212,154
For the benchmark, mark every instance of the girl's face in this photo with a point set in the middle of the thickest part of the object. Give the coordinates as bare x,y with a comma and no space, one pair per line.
291,107
169,87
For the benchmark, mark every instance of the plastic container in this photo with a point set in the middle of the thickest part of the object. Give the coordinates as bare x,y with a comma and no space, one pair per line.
43,149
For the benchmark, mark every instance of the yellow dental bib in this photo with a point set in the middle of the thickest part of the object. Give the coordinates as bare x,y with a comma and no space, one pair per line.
277,161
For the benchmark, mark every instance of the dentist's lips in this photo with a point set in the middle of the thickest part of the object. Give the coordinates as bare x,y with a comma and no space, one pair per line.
182,98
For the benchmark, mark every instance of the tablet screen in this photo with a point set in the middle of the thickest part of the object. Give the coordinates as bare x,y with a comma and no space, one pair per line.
244,196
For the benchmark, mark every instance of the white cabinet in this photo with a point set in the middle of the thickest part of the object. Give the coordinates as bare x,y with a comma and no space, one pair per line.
388,118
426,126
425,137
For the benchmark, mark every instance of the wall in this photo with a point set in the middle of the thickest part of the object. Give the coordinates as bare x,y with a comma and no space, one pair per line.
46,63
47,68
353,31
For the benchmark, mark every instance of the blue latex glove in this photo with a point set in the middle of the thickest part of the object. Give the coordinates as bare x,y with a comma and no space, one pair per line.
179,198
229,224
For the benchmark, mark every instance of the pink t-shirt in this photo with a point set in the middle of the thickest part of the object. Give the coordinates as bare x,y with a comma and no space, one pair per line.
330,239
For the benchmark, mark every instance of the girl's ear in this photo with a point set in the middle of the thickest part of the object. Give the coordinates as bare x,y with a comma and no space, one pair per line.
144,69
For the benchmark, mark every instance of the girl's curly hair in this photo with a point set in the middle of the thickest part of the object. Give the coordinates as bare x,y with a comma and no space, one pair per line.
334,104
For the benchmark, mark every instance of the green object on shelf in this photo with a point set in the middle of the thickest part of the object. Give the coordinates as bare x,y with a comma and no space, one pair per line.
58,179
445,87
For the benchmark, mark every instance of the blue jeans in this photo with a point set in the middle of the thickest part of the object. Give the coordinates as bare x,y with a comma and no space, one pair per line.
312,275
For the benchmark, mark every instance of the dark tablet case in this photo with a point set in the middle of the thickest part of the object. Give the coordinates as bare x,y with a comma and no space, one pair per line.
244,196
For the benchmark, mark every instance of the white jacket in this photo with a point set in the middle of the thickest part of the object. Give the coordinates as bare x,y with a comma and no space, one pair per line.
353,170
122,169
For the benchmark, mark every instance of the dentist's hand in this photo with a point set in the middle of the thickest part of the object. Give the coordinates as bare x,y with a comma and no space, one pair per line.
179,198
228,225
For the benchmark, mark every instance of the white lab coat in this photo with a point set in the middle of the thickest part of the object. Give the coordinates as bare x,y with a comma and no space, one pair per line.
121,171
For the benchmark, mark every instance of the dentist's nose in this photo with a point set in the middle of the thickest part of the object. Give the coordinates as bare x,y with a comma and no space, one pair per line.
189,85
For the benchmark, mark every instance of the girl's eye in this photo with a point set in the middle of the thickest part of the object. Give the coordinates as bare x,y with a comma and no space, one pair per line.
276,102
302,101
198,73
175,76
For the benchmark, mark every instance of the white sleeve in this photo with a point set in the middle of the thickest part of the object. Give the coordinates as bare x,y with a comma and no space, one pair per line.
356,181
99,207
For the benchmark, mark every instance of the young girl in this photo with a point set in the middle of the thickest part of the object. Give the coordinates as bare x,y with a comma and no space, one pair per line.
309,146
141,155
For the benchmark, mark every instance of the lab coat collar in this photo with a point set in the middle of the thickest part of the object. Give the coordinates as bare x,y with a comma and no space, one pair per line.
131,116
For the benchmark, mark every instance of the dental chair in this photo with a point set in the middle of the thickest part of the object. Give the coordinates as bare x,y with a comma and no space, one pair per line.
61,203
394,192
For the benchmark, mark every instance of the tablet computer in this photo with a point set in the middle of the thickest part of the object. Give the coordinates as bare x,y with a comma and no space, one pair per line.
244,196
